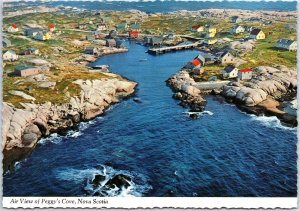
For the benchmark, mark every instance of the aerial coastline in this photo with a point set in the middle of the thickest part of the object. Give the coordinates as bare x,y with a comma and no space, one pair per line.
52,80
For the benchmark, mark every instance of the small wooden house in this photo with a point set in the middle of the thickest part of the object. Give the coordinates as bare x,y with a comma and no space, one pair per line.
210,41
211,32
135,27
92,51
230,72
51,28
10,56
257,34
122,27
226,58
6,42
156,41
245,74
111,43
31,32
120,44
25,71
287,44
112,34
98,34
12,28
237,29
133,34
42,36
236,19
201,59
197,28
101,27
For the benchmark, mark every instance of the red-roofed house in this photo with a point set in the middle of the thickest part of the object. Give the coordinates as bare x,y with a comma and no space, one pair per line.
245,74
13,28
257,34
196,62
51,27
133,34
197,28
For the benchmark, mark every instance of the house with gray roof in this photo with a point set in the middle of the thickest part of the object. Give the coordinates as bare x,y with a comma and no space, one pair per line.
92,51
6,42
10,56
226,57
230,72
24,71
287,44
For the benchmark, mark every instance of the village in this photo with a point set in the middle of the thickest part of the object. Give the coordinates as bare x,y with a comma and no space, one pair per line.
43,52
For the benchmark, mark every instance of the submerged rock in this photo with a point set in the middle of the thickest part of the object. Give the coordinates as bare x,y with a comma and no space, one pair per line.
119,181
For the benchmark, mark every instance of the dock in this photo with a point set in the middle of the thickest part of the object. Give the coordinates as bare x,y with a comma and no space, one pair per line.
172,48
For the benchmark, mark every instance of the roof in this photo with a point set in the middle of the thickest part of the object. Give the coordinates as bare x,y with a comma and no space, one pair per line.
23,67
201,58
196,27
285,41
245,70
255,31
10,51
196,62
135,26
237,26
234,17
229,68
14,26
51,26
224,54
5,40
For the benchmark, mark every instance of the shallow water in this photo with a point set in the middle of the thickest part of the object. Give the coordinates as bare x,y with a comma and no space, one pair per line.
223,153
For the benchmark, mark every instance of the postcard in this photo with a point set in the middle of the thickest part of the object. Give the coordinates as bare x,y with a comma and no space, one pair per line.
149,104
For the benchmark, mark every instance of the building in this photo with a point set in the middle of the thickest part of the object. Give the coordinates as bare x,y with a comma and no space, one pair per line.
210,41
31,32
112,34
25,71
30,51
257,34
10,56
6,42
51,27
98,34
12,28
120,44
211,32
287,44
236,19
92,51
226,58
121,27
237,29
101,27
155,41
111,43
42,36
201,59
230,72
147,40
245,74
133,34
197,28
81,26
135,27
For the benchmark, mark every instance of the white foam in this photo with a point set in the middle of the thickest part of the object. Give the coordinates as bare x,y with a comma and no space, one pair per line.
271,122
137,187
203,113
53,138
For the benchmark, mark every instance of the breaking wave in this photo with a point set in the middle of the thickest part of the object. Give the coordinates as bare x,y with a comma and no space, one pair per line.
271,122
106,181
199,114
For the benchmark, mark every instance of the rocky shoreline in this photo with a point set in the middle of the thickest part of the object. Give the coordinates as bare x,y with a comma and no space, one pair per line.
267,93
22,128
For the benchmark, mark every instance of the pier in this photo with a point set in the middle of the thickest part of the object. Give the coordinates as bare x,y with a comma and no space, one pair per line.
172,48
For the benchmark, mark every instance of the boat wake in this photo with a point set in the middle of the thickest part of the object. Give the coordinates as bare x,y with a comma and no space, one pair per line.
106,181
198,114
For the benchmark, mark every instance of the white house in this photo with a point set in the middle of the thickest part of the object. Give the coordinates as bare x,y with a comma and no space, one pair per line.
287,44
12,28
230,72
245,74
237,29
10,56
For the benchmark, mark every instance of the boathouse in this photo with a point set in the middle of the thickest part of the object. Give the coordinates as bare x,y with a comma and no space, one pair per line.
111,43
230,72
245,74
24,71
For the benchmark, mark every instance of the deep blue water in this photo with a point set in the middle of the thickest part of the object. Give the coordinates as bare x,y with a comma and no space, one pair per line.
229,153
169,6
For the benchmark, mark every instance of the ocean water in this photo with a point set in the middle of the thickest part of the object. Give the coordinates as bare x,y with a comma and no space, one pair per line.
170,6
224,152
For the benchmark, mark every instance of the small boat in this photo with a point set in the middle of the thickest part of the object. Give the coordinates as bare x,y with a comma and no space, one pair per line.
142,60
100,67
137,100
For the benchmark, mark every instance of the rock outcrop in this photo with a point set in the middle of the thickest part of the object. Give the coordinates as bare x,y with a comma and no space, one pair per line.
267,81
185,91
22,128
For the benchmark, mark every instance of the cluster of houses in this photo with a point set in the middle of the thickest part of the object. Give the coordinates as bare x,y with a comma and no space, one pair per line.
210,31
231,72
